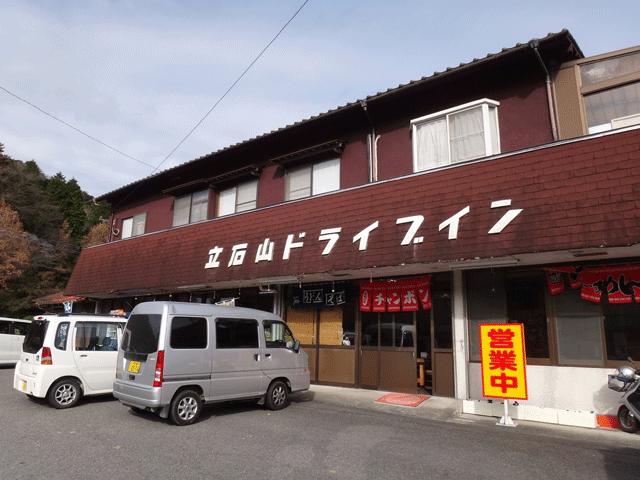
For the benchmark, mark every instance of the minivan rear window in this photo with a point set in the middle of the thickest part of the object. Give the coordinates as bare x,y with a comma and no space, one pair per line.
141,334
35,336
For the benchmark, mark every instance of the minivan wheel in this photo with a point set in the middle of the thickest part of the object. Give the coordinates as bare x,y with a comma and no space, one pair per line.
628,422
64,393
186,407
276,396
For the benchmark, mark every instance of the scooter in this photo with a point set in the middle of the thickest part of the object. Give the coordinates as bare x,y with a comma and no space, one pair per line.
627,379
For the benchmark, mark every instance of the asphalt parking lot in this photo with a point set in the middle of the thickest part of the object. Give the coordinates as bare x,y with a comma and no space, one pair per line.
324,433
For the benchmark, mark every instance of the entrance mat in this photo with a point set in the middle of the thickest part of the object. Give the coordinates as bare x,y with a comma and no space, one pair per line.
403,399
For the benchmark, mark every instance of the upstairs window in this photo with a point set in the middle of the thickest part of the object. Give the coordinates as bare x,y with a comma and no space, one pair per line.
238,199
463,133
134,226
611,90
190,208
314,179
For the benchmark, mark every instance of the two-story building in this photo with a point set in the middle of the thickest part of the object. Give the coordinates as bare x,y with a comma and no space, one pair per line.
386,230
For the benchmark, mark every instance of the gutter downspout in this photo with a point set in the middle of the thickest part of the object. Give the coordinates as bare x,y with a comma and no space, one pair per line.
372,146
534,45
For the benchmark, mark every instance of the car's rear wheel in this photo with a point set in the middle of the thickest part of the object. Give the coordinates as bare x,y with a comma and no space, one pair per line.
65,393
186,407
277,395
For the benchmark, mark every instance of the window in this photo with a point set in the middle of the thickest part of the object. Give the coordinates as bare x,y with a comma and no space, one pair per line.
190,208
456,135
238,199
188,333
60,342
134,226
312,179
96,336
613,108
278,335
141,334
573,314
622,331
231,333
611,92
509,297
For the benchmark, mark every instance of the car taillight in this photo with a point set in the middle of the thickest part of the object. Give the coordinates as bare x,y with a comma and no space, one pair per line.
46,356
157,377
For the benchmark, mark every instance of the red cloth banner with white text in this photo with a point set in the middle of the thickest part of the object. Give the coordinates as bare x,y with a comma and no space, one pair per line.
403,295
618,284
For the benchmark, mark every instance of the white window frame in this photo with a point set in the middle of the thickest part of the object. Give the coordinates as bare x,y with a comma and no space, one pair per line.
230,202
134,226
323,177
190,210
491,132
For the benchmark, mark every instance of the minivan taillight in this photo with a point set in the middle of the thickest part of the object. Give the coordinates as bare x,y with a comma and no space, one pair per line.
157,377
46,356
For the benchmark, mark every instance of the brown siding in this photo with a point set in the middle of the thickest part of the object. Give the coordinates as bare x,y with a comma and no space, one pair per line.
573,196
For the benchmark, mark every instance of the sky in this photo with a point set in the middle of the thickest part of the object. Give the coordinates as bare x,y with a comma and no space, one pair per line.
105,91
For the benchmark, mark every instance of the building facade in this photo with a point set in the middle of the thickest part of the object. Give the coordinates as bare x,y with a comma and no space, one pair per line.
385,231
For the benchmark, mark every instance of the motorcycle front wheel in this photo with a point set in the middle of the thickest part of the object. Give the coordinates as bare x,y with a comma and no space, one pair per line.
628,422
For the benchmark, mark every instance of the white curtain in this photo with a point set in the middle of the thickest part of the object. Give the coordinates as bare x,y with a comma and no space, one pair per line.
466,132
227,202
432,145
326,176
247,194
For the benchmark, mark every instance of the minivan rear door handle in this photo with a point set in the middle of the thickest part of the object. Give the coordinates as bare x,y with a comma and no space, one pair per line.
267,356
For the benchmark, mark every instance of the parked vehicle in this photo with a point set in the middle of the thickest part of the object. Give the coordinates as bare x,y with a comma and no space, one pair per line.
174,357
627,379
66,357
12,332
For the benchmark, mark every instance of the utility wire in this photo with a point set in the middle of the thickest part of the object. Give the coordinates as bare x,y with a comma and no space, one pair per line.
74,128
190,132
233,84
219,100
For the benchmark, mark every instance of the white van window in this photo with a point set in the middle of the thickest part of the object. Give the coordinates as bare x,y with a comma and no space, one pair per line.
233,333
188,333
277,335
5,326
60,341
96,336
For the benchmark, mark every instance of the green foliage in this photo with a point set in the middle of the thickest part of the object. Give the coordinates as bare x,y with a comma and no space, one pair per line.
55,215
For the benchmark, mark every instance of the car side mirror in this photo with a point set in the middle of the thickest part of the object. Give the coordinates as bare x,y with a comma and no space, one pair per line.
296,346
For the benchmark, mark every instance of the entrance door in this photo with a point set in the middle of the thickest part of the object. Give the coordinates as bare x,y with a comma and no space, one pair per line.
442,352
387,351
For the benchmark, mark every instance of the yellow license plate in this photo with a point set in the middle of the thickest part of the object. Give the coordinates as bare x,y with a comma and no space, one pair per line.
134,367
24,386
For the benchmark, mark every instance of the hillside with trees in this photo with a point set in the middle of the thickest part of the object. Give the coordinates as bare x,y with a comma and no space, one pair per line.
44,223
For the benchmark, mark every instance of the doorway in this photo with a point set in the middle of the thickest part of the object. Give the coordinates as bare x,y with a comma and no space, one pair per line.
409,352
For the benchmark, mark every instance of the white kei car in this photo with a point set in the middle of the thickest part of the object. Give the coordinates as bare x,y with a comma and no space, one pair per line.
65,357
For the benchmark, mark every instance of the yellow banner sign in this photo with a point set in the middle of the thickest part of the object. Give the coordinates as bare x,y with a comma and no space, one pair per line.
503,360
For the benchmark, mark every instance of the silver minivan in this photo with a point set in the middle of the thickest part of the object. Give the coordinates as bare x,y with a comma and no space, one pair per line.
175,356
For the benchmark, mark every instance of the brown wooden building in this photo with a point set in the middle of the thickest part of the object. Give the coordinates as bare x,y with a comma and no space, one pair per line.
466,184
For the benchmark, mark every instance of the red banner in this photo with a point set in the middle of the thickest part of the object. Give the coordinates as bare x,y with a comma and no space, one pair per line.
619,284
403,295
556,278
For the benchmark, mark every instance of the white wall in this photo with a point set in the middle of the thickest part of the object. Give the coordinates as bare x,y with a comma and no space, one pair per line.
562,388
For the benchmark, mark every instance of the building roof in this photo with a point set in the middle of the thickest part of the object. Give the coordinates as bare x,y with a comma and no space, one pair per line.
555,48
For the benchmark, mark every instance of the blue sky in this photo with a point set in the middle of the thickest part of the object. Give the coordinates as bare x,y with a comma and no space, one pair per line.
138,75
